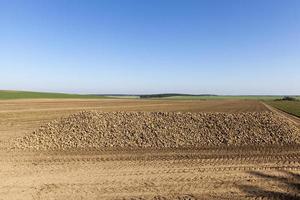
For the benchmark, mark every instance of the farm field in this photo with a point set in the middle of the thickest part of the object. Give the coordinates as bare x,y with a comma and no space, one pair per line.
22,116
150,100
208,172
292,107
212,97
221,97
239,173
11,94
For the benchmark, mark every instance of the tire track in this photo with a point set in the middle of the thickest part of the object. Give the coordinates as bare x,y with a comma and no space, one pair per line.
146,174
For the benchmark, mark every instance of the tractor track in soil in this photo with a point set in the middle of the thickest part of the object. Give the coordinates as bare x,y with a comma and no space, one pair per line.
215,173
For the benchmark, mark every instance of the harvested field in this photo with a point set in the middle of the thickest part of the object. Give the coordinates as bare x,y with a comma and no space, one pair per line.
260,171
18,117
212,173
100,130
231,106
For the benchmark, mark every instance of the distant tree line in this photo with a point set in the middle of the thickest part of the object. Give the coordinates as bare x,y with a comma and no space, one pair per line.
287,98
171,95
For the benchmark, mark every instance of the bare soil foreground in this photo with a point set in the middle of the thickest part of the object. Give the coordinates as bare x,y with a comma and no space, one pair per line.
269,168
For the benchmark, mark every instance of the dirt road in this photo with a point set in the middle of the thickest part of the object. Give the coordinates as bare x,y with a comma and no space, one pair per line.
295,120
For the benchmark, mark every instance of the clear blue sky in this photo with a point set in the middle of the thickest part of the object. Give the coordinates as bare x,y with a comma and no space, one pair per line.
155,46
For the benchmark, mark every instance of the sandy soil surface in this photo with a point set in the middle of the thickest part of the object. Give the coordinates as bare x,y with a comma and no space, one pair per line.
261,172
239,173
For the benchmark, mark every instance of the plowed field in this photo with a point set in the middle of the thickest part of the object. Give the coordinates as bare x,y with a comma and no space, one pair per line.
243,172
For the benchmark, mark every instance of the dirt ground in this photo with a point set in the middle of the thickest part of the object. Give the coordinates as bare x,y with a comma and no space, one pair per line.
270,172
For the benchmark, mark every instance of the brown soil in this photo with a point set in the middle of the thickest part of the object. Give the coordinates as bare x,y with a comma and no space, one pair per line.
196,174
223,172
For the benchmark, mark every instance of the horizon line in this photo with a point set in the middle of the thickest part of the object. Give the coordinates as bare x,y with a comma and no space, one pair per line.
141,94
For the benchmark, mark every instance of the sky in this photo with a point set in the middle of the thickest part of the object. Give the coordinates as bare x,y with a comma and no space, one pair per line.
232,47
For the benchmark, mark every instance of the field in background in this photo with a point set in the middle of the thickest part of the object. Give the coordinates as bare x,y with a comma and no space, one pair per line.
226,97
10,94
212,97
291,107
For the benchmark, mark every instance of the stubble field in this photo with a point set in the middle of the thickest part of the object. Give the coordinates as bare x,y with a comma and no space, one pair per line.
269,170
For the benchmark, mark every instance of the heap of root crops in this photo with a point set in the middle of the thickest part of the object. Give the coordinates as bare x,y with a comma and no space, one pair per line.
100,130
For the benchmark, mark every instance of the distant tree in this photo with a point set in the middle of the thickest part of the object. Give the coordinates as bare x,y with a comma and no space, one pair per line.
289,98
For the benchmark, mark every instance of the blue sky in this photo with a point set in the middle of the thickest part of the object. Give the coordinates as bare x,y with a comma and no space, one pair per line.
138,46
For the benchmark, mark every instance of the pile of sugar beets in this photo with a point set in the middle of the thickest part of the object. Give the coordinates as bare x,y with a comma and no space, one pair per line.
101,130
